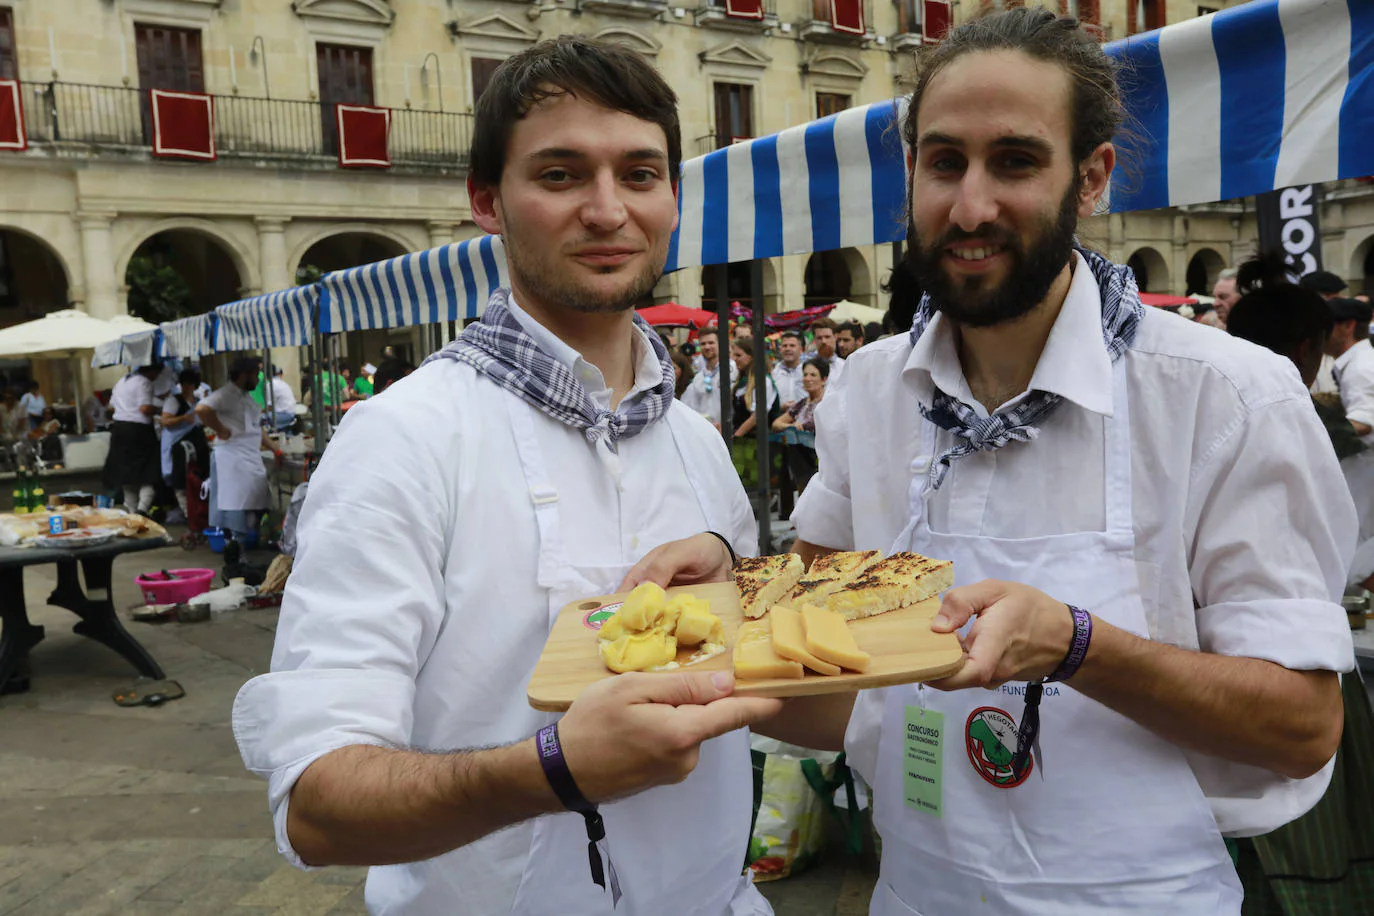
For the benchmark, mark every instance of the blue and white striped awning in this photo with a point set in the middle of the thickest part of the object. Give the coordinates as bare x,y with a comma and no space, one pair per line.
138,349
447,283
188,338
285,318
1295,79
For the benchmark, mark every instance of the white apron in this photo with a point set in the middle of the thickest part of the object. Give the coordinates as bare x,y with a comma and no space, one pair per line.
666,843
170,437
236,464
1110,819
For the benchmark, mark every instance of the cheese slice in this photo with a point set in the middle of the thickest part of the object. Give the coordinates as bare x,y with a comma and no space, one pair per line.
697,625
789,640
829,639
755,658
828,574
898,581
762,581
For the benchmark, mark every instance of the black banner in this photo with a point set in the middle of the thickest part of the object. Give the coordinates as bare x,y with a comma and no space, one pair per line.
1288,221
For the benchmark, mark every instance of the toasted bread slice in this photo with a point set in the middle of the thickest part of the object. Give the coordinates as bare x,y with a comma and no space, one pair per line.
762,581
828,573
900,580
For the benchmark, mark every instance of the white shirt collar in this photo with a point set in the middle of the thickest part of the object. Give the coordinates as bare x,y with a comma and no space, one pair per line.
648,370
1351,354
1074,363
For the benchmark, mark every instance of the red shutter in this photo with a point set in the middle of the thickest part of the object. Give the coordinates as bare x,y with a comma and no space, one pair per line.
935,19
12,134
847,16
183,124
363,136
744,9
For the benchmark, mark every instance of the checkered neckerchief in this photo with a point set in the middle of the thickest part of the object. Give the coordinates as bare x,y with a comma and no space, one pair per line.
1121,314
499,348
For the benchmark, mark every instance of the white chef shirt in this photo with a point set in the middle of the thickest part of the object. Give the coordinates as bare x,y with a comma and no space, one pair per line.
413,617
235,408
283,399
788,381
1238,500
129,394
1354,374
703,395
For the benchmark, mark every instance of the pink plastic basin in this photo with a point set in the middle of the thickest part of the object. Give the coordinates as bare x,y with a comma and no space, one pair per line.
187,584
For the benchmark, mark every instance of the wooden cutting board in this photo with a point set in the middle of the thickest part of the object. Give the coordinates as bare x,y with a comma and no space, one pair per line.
904,651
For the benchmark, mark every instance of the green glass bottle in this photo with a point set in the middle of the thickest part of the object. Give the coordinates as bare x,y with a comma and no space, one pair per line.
20,494
38,497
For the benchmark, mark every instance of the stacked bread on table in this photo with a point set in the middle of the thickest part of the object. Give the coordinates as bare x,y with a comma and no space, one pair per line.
807,610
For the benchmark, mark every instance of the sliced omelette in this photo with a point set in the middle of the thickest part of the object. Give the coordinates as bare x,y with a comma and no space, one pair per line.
829,573
763,581
895,582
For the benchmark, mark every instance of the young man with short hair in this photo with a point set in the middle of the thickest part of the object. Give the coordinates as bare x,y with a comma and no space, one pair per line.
703,395
787,372
848,338
823,331
523,469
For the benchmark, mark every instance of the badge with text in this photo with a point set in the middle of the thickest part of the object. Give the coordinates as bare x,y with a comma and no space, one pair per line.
923,759
597,616
990,738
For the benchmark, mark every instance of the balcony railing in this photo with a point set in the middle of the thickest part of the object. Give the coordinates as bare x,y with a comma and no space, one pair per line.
117,118
817,27
713,13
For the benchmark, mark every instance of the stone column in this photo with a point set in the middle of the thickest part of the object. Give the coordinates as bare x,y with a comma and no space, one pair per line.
441,233
97,260
793,282
1116,238
688,290
1179,268
276,275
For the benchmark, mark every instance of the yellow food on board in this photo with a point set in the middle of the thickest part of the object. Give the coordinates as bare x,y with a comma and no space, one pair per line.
639,651
893,582
828,638
699,625
755,658
789,640
647,630
643,608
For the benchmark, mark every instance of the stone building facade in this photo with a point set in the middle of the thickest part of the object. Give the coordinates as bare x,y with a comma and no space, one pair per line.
87,196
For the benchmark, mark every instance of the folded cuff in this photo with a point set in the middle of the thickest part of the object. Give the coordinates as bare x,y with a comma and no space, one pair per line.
824,517
1303,634
285,721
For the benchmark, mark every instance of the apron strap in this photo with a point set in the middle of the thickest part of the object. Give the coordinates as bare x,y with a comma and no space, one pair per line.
543,495
713,520
1116,472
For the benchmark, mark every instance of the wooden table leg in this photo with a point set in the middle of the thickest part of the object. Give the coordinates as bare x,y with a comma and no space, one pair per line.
98,618
17,635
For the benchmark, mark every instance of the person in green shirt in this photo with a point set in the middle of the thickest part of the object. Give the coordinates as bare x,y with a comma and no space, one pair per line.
362,385
329,385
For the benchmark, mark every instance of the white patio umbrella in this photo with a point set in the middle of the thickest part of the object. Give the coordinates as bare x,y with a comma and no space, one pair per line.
66,334
852,311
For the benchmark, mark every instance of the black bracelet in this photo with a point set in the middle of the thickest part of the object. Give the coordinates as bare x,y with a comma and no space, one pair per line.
565,787
734,560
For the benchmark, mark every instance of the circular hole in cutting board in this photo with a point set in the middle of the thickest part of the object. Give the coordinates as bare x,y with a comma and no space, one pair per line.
589,605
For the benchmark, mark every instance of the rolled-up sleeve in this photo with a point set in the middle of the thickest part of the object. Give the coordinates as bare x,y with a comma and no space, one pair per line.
1357,390
362,609
1274,530
824,514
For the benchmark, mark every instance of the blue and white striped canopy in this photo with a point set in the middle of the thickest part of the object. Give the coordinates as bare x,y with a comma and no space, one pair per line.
1295,79
188,338
285,318
447,283
138,349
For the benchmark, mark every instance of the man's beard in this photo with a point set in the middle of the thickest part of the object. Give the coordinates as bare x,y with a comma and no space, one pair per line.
971,302
544,281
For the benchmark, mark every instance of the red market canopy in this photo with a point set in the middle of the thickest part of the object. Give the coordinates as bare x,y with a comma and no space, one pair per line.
670,314
1163,300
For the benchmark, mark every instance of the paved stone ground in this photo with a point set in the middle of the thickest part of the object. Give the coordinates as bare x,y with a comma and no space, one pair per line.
149,812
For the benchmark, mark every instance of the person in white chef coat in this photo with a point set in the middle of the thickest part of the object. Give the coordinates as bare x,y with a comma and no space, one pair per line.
1148,528
240,491
526,466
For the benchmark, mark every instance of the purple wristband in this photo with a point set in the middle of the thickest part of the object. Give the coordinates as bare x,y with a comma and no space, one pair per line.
1078,648
560,778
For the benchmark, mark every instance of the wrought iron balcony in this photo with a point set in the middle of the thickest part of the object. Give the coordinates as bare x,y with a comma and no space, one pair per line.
818,26
77,117
712,13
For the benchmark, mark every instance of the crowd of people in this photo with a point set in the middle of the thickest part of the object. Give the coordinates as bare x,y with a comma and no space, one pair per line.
1149,526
